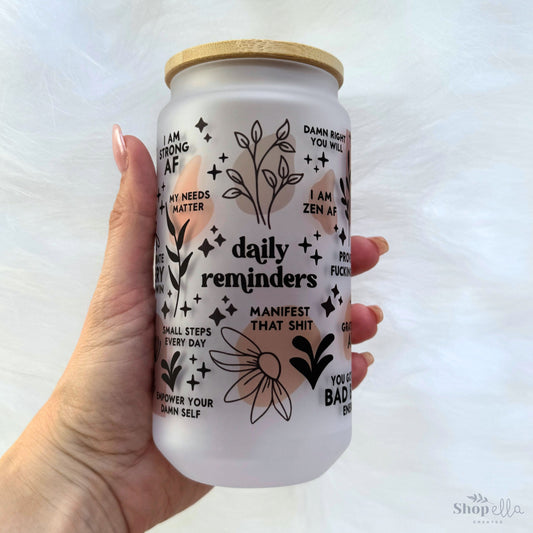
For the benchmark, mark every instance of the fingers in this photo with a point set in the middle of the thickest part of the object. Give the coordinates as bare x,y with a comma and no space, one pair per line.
129,252
365,320
366,252
360,364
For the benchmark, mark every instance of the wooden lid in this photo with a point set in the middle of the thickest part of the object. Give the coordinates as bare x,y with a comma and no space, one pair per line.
254,48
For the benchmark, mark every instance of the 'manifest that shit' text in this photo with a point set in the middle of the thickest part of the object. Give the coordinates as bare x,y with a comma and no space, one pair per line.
268,251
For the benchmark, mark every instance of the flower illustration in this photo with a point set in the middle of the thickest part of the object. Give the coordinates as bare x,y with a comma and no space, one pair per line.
260,372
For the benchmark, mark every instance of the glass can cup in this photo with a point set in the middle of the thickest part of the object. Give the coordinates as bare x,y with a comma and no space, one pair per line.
252,265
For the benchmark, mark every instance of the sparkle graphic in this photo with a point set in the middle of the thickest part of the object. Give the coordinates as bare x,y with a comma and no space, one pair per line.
231,309
185,308
204,370
201,124
340,300
342,236
165,309
304,245
193,359
214,229
161,207
192,382
219,240
158,194
316,169
206,247
216,316
225,299
169,294
207,137
336,228
335,291
316,258
197,298
214,171
317,235
308,159
328,306
163,186
223,157
323,159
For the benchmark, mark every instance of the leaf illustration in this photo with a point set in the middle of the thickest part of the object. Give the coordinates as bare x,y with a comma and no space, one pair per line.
322,364
283,131
302,344
232,193
283,167
270,178
342,186
324,343
181,236
172,255
286,147
234,176
242,140
185,265
164,364
343,200
173,280
169,224
257,132
168,380
175,358
302,366
293,179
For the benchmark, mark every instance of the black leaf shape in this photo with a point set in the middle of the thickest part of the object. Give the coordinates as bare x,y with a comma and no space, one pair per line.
232,193
234,176
181,235
164,364
342,186
185,265
242,140
270,178
293,179
257,132
173,257
324,343
283,167
169,224
173,280
283,131
302,366
286,147
302,344
174,358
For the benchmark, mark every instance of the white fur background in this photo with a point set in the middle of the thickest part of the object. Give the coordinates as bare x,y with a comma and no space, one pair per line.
439,93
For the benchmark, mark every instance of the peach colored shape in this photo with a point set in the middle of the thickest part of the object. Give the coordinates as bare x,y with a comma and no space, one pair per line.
188,182
325,185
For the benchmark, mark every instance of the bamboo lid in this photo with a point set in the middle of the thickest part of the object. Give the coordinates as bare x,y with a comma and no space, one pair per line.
254,48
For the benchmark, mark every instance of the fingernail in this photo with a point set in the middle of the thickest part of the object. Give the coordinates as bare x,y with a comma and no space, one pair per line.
119,149
381,244
377,311
369,358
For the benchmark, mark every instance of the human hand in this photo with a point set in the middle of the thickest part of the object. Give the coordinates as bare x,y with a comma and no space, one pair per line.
87,461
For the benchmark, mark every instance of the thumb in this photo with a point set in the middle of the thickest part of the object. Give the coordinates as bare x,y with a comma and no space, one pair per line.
129,253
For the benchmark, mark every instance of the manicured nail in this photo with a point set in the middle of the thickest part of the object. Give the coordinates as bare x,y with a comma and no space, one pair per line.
369,358
119,149
381,244
377,311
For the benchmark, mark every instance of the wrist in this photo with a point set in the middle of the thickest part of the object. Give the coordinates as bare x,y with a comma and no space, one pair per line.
43,485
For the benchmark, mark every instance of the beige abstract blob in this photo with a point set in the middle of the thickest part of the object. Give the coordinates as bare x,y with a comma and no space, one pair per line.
326,185
188,182
280,344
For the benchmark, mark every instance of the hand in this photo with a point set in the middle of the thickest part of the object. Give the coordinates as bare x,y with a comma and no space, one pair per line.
87,461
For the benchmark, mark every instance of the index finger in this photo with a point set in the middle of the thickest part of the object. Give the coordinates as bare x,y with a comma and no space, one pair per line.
366,252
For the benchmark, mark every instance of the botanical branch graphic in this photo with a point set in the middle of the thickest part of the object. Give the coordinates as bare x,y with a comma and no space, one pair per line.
345,184
175,257
172,371
478,498
318,364
260,372
276,183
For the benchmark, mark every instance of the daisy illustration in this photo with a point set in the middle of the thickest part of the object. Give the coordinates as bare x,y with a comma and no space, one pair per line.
260,373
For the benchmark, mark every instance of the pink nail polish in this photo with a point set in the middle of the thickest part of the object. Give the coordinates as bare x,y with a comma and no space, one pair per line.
120,152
